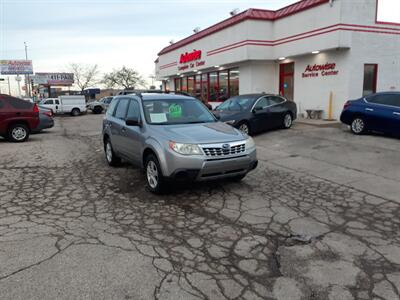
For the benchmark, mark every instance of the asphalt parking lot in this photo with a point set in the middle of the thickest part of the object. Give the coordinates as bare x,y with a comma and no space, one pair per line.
318,219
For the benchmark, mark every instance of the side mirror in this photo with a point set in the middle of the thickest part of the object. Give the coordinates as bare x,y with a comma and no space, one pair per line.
256,109
133,122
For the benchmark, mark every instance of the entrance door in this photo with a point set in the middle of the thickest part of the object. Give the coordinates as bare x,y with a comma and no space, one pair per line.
286,80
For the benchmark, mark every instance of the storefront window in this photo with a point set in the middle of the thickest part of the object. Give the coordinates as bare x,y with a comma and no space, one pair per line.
178,84
190,85
213,86
198,86
223,86
370,78
204,87
184,84
233,82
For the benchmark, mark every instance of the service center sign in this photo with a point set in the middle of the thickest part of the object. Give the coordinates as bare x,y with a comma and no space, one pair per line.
16,67
64,79
328,69
190,60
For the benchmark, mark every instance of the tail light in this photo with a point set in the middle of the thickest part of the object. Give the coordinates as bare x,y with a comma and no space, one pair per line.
346,105
35,108
48,113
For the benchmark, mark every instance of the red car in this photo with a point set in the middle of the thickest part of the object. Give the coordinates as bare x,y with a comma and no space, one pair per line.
17,118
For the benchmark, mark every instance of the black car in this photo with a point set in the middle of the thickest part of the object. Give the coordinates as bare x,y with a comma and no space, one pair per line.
257,112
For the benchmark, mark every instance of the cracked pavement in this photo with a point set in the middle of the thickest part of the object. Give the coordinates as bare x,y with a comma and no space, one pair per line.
318,219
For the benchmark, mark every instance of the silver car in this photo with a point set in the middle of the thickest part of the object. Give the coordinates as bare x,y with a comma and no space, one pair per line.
174,137
98,107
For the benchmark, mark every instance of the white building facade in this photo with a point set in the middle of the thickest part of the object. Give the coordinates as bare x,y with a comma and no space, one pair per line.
305,52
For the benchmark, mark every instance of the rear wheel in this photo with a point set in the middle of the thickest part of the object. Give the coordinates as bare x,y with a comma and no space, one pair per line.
18,133
287,121
98,110
358,126
154,178
75,112
244,127
112,159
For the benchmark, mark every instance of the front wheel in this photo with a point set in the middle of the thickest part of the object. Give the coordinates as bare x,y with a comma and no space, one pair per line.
244,127
18,133
98,110
112,159
287,121
154,178
358,126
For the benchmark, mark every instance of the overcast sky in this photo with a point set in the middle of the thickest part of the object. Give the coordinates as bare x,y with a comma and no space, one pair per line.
110,33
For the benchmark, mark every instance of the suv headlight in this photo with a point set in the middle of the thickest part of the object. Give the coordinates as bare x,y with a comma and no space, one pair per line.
185,149
250,143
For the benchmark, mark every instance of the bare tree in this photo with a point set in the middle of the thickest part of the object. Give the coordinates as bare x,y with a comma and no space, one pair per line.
84,75
125,78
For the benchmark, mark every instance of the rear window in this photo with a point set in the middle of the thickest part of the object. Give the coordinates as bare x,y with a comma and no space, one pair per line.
20,104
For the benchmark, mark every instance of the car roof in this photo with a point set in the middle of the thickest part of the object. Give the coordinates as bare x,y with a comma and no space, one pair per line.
162,96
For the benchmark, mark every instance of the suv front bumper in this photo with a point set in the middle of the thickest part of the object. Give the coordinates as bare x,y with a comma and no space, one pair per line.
207,168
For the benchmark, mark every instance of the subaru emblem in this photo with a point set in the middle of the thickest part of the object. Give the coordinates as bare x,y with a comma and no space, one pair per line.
226,147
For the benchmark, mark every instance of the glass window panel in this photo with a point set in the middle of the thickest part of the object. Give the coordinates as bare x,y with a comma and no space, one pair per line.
223,86
190,85
233,82
184,84
214,89
204,88
369,86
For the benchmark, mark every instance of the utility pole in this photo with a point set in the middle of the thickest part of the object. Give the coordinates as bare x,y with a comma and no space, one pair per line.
27,79
9,88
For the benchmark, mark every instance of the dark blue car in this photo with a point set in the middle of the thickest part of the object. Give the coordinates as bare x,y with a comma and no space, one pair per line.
377,112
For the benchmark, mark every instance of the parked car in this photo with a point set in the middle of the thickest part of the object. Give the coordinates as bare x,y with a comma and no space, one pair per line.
46,119
377,112
137,91
17,118
174,137
257,112
98,107
74,104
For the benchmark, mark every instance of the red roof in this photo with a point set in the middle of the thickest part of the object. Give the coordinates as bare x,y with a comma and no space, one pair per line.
250,14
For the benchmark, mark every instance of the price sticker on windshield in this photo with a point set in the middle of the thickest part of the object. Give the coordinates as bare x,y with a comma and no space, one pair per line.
175,111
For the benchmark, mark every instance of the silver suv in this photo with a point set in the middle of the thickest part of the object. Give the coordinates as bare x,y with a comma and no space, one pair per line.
174,137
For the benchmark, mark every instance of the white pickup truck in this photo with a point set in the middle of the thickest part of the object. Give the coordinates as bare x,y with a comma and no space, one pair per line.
74,105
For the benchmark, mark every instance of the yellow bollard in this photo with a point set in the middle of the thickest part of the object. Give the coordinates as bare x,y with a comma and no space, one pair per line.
330,109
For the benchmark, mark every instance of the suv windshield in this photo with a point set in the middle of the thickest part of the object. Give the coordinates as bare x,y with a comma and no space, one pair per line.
237,103
176,111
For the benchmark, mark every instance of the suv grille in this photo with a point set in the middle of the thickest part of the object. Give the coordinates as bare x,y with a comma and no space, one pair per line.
219,151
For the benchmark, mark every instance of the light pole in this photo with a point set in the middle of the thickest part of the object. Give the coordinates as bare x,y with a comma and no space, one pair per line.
27,79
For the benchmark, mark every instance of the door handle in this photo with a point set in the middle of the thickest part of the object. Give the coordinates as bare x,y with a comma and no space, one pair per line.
396,113
369,109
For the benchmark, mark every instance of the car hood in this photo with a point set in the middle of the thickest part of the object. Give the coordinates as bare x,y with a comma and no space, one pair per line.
203,133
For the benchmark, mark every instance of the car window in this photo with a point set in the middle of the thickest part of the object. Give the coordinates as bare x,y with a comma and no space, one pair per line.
49,102
262,103
133,110
176,111
121,109
275,100
237,103
111,108
20,104
56,101
385,99
108,101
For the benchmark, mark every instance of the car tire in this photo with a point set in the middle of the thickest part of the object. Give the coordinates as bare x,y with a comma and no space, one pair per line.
358,126
112,159
153,174
75,112
244,126
287,121
18,133
237,178
97,110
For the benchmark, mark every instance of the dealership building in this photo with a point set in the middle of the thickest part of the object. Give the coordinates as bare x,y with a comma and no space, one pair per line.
309,52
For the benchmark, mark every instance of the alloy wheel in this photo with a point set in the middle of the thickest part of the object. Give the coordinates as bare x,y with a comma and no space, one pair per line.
244,128
152,174
357,126
109,154
287,121
19,133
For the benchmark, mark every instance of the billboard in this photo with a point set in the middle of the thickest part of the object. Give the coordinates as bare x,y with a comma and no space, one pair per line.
63,79
16,67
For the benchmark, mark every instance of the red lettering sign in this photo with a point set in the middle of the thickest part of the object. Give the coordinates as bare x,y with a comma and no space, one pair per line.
191,56
327,69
